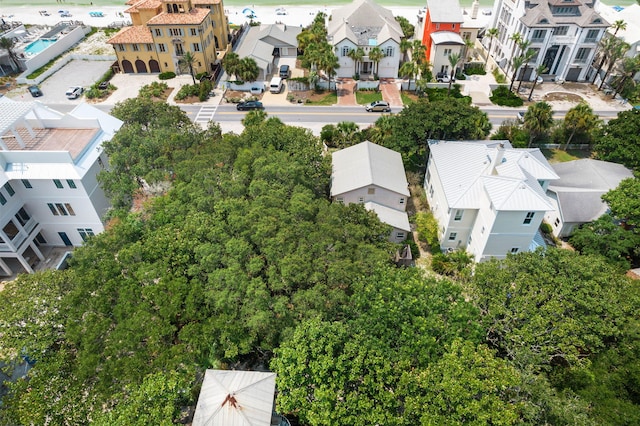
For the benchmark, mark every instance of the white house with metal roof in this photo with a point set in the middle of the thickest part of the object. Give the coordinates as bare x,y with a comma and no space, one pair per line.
577,193
49,193
364,24
564,35
373,175
487,197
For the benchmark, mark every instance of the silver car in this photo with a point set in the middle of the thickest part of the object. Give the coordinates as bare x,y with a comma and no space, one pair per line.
380,106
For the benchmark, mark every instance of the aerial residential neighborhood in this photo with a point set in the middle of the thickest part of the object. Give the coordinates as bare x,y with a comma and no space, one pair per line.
357,213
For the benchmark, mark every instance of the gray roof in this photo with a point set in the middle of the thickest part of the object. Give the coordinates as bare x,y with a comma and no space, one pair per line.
396,218
365,23
253,47
279,35
446,11
539,15
581,186
367,164
446,37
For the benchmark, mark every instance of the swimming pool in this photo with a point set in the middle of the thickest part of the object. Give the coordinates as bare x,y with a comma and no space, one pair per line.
38,46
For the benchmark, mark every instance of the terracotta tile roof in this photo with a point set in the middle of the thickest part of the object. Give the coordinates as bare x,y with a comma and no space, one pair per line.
135,34
194,16
143,4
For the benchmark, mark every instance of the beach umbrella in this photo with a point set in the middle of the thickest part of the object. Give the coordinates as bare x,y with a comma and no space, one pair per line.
248,11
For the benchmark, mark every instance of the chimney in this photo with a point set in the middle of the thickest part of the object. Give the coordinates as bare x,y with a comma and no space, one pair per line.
474,9
497,160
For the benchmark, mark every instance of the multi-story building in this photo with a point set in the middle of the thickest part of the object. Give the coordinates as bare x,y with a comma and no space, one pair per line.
564,35
163,31
488,198
441,33
49,192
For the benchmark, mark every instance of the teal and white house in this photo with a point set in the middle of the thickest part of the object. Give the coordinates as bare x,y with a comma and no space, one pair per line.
488,198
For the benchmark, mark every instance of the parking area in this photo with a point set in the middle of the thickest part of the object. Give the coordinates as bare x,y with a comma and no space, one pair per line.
74,73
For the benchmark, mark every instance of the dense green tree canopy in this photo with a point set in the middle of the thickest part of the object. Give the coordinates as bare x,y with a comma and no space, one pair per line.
624,202
619,140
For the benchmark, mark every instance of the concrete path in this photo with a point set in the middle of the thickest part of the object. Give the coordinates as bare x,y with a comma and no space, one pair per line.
346,92
391,92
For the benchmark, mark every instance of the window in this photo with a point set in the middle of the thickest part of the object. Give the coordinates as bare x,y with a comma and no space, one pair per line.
175,31
401,200
400,235
345,51
538,35
193,31
458,215
3,200
60,209
9,189
437,26
196,47
561,30
121,47
100,163
371,191
528,218
389,51
514,250
482,231
179,49
452,236
53,209
136,48
556,222
69,209
39,238
26,183
85,233
149,47
592,36
428,175
469,240
582,55
360,200
466,35
161,47
453,26
71,184
158,32
340,200
431,190
57,183
22,216
447,52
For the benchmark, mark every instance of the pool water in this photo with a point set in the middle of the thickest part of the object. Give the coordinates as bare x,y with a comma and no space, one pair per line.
38,46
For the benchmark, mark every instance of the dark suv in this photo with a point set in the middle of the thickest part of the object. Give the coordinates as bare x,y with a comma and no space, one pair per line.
284,71
35,91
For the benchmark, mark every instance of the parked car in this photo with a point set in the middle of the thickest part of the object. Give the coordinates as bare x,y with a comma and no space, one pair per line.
379,106
35,91
64,13
104,85
520,117
74,92
443,77
284,71
245,106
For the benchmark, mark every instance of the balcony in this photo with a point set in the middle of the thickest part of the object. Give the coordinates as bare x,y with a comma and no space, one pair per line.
565,39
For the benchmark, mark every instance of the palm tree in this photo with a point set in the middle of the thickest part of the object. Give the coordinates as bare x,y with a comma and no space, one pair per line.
454,59
356,55
405,45
248,69
376,55
408,69
618,25
628,68
579,119
618,51
606,46
491,33
538,120
230,63
468,46
527,57
517,63
8,45
517,39
329,63
419,52
540,69
188,60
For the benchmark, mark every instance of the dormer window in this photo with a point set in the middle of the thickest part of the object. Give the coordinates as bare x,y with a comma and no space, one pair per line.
544,21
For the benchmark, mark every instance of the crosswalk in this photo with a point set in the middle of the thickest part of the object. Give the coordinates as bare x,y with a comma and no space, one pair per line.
205,114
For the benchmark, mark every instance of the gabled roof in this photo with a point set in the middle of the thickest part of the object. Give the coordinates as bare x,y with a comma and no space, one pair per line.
365,23
468,175
396,218
445,11
235,398
540,15
285,34
581,186
367,164
193,17
134,34
253,47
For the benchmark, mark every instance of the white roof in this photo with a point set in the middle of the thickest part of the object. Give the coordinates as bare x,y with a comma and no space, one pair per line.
630,15
446,37
12,111
365,23
235,398
367,164
446,11
467,176
396,218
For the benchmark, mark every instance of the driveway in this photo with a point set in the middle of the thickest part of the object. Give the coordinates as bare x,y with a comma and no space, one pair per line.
74,73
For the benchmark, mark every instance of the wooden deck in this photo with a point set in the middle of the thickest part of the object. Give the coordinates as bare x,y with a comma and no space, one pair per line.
72,140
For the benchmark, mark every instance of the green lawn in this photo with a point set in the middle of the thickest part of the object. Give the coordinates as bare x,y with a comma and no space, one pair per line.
328,99
364,97
560,156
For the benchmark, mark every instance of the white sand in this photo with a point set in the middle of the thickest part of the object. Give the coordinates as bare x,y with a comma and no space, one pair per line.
296,15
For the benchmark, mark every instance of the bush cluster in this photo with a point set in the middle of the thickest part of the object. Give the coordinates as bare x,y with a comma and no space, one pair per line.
500,78
475,69
153,90
168,75
505,97
427,227
201,90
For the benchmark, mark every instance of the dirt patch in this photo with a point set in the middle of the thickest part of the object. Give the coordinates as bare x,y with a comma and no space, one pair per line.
307,96
562,97
235,96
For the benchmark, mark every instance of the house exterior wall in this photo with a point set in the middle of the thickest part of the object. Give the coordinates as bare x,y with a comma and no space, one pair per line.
431,27
388,66
440,57
382,196
347,65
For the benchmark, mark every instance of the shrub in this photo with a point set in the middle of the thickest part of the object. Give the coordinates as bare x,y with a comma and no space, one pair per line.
452,264
153,90
503,96
200,75
475,69
546,228
427,227
168,75
500,78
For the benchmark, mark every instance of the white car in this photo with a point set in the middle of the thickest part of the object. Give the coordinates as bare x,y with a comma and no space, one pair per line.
74,92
